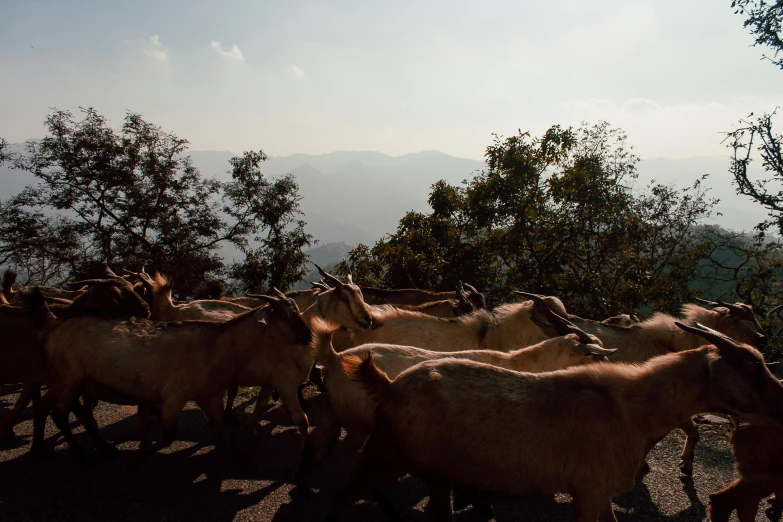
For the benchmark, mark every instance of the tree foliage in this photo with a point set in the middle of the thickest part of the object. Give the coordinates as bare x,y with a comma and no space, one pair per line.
764,20
133,197
555,214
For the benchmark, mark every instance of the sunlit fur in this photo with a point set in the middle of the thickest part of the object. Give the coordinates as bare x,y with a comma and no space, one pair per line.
164,309
584,430
507,327
354,409
758,452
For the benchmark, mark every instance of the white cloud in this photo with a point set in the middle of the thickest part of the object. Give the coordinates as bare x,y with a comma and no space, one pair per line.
232,54
296,71
157,50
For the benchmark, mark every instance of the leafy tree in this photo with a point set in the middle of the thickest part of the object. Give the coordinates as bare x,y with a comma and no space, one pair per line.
555,214
764,20
767,191
133,197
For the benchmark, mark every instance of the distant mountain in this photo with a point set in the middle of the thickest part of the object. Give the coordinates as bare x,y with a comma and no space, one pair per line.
357,197
354,197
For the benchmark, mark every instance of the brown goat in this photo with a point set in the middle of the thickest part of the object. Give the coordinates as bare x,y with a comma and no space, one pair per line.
507,327
21,357
461,305
13,296
608,415
353,409
758,452
624,320
163,308
166,363
659,335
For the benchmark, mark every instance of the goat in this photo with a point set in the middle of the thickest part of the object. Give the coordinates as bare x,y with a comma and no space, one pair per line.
624,320
461,305
354,409
341,305
20,358
507,327
13,296
410,296
163,308
608,415
758,452
659,335
167,363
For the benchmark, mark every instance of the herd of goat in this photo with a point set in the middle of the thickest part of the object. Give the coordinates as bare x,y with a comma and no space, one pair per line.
520,398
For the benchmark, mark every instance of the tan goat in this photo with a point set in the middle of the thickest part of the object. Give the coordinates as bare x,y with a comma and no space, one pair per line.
168,363
353,409
659,335
342,305
758,452
507,327
21,357
624,320
163,308
607,417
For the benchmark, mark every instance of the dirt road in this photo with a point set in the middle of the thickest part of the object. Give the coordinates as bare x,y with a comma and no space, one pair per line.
190,481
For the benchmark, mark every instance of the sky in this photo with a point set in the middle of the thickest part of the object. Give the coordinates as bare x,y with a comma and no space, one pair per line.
396,77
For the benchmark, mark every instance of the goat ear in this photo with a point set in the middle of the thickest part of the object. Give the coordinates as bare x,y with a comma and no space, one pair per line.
350,278
263,314
329,277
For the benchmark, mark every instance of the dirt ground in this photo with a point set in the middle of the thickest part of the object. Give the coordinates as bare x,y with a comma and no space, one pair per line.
191,481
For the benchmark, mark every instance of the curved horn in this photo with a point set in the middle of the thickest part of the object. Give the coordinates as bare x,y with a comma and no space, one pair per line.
565,325
278,293
594,349
86,282
320,285
350,278
732,307
109,272
262,297
471,288
329,277
713,336
704,301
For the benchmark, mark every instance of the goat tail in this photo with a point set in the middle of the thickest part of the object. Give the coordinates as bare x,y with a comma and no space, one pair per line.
364,371
323,332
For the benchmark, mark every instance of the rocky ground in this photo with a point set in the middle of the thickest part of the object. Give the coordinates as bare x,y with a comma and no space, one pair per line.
191,481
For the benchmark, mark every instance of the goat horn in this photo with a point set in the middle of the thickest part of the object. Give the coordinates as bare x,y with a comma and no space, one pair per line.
319,284
263,297
711,335
86,282
566,326
471,288
278,293
328,276
350,278
731,307
461,294
704,301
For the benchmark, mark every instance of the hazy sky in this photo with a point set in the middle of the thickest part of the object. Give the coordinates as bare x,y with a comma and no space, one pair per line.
396,77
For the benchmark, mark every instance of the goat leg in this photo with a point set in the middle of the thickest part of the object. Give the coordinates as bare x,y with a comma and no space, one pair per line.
86,416
691,438
29,392
440,501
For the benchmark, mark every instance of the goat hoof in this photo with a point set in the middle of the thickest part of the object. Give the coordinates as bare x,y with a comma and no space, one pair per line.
686,468
8,439
108,450
773,512
484,510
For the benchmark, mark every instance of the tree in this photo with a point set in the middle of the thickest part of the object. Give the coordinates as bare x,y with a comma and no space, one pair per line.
764,20
133,197
557,215
767,191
